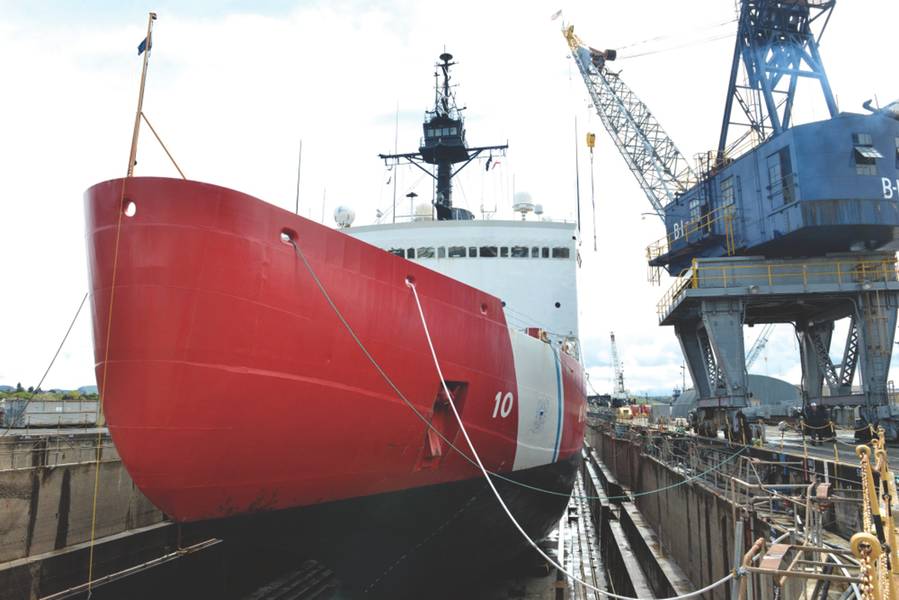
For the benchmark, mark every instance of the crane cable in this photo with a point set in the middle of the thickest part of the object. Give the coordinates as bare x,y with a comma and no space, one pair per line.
591,142
659,38
705,40
499,498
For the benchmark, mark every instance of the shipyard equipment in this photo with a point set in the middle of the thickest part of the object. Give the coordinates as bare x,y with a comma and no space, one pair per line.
782,223
619,393
759,345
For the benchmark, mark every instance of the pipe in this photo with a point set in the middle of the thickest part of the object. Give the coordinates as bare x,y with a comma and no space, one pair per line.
747,562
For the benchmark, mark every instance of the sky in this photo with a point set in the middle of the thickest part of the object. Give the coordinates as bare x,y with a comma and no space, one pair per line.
233,87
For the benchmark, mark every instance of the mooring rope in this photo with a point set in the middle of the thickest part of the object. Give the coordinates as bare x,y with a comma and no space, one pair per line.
102,392
499,498
50,366
299,253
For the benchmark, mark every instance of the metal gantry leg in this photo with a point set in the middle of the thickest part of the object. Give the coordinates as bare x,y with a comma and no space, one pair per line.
709,306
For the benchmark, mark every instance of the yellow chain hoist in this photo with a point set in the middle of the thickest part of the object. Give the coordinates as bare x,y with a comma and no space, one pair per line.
875,546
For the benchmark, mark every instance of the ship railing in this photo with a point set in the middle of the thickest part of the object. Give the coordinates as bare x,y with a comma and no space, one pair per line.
753,275
519,322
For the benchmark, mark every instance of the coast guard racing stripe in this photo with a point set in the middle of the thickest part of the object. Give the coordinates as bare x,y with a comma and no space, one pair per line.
540,401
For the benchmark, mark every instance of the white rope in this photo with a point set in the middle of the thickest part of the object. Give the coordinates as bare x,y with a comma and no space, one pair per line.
505,508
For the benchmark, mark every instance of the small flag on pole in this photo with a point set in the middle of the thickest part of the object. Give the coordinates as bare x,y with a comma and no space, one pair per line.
143,46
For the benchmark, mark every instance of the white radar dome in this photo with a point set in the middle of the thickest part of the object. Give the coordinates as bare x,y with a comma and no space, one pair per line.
344,216
522,203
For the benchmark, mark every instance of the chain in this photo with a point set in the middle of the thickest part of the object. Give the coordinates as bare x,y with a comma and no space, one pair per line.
867,577
866,502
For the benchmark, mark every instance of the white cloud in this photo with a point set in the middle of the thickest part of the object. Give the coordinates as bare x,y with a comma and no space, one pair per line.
232,93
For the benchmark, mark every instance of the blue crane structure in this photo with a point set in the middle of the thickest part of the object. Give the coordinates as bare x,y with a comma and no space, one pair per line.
783,223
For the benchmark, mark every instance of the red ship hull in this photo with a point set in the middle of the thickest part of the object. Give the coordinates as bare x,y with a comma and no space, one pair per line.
230,386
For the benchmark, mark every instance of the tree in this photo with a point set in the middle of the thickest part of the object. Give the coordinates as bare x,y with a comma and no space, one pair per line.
30,389
19,387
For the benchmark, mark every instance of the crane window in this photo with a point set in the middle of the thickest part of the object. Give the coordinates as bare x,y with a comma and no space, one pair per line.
488,251
866,160
504,252
780,178
865,154
728,192
695,209
472,252
441,252
425,252
519,251
456,252
561,252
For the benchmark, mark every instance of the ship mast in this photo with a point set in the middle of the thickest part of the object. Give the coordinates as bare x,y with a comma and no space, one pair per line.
443,144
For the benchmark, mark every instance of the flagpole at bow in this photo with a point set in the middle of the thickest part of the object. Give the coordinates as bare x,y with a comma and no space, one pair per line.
143,48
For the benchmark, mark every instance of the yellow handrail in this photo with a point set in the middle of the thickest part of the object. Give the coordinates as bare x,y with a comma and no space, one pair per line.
840,271
724,214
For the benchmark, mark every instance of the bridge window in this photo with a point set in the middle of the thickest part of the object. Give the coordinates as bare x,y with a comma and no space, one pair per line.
398,252
561,252
410,253
535,252
441,252
472,252
425,252
488,251
545,252
519,251
504,252
456,252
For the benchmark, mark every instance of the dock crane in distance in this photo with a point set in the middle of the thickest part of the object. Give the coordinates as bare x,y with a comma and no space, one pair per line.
619,393
759,345
782,223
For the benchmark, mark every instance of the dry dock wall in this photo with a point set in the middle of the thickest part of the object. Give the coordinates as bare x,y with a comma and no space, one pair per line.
45,508
692,524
